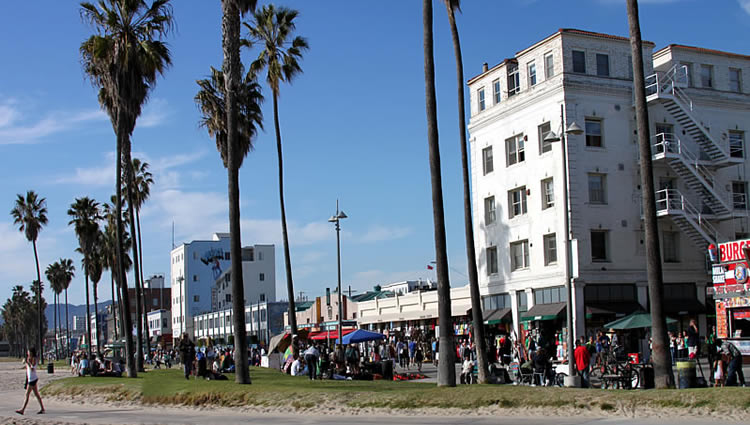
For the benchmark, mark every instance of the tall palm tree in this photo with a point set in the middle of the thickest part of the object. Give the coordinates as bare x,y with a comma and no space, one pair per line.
30,214
37,287
67,272
143,179
454,6
93,268
663,376
110,249
52,273
446,367
85,216
123,59
273,29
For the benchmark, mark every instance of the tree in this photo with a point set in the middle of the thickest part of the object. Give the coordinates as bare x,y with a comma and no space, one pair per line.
231,13
93,268
85,216
123,59
37,287
15,312
280,56
446,367
67,272
30,214
141,192
110,254
663,376
471,256
52,273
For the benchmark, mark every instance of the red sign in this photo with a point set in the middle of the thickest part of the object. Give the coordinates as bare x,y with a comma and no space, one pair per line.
732,251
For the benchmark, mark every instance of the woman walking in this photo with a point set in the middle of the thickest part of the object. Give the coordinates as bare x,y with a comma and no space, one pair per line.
32,379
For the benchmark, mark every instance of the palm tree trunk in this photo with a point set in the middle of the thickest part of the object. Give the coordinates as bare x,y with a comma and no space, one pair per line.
136,268
663,375
67,326
57,351
88,314
231,45
143,297
446,366
476,301
39,304
125,310
284,233
96,320
114,306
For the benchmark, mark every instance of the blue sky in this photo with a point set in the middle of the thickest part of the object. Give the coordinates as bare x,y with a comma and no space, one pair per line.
353,128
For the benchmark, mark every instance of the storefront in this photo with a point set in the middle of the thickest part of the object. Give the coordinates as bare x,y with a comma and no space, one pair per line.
731,292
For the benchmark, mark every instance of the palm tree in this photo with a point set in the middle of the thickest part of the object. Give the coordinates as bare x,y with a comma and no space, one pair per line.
273,29
30,214
663,376
446,367
141,192
85,216
124,59
111,252
93,268
52,273
476,302
67,272
37,287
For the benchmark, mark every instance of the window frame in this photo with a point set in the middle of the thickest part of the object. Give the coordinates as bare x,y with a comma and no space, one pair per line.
488,164
548,193
599,65
603,184
582,68
481,103
544,147
549,242
738,72
524,255
515,150
736,137
605,245
496,91
490,210
492,260
670,246
549,66
739,197
514,77
531,69
520,204
591,138
707,79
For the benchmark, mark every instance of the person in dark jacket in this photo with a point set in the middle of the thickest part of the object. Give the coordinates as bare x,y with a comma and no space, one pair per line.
187,354
735,365
692,339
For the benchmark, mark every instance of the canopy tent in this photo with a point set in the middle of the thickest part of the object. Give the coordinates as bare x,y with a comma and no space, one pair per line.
493,317
636,320
361,335
610,309
324,335
543,312
282,341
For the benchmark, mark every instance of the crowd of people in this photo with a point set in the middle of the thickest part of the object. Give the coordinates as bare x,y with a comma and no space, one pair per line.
97,365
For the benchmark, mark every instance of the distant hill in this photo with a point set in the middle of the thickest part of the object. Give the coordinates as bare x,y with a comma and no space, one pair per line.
73,310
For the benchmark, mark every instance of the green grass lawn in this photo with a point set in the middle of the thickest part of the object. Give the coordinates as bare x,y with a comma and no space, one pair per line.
271,388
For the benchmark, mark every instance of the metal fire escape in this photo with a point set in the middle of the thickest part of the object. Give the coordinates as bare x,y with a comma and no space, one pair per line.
697,170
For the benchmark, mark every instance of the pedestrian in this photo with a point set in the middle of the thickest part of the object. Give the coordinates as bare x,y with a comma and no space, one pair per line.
412,350
311,358
673,346
734,375
692,340
29,363
467,369
187,354
419,357
583,360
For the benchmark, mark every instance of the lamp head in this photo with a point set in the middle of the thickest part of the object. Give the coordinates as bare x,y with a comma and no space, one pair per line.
574,129
333,219
341,215
551,137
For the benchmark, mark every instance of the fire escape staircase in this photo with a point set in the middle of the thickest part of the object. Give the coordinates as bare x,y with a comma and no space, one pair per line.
670,202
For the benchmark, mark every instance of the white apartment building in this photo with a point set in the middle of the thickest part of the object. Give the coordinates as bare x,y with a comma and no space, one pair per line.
159,323
699,110
258,278
406,286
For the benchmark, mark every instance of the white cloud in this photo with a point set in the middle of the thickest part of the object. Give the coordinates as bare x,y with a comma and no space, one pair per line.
14,132
380,233
745,5
154,114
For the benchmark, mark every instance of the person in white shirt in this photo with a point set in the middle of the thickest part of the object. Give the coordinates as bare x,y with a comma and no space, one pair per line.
468,367
29,363
311,359
297,366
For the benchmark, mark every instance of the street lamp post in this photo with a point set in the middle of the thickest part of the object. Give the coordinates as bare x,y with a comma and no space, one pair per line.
337,220
571,380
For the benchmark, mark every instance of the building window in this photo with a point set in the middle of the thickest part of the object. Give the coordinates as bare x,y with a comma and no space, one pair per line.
548,193
491,260
739,195
155,302
737,144
597,188
671,246
532,74
515,150
544,146
602,65
689,73
517,201
599,251
227,256
260,255
550,295
195,278
494,302
496,91
489,210
480,95
519,255
262,297
707,76
487,165
549,66
228,298
594,133
579,62
514,81
523,301
196,298
550,249
735,80
262,277
609,293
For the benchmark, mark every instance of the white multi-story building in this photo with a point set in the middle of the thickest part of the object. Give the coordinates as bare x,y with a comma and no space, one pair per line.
258,278
159,323
699,111
406,286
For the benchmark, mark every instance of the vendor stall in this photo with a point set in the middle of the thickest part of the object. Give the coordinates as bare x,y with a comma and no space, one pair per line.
731,292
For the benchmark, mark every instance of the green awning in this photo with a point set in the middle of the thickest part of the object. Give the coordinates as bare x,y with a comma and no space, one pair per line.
609,309
634,321
493,317
543,312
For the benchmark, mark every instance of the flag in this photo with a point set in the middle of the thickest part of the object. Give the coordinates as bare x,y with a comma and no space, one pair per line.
429,267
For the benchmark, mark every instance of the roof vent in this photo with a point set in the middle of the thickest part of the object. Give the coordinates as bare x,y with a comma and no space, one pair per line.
485,67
